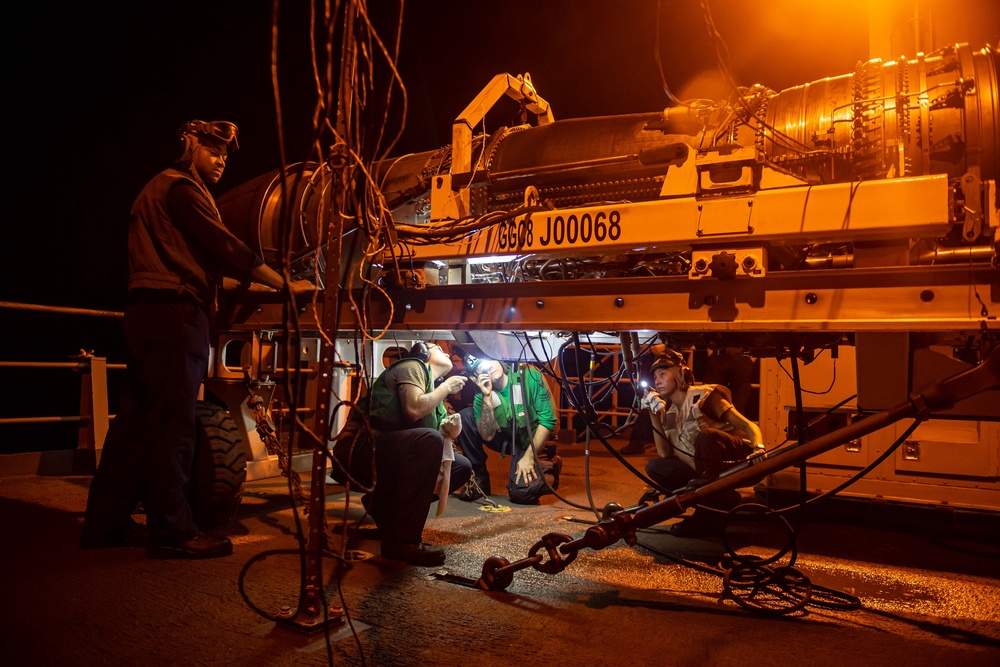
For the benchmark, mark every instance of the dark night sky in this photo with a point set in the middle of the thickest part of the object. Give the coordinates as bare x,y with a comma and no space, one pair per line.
95,94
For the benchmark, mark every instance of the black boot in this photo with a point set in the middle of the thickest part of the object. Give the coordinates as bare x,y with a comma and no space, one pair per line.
478,486
703,523
556,471
637,447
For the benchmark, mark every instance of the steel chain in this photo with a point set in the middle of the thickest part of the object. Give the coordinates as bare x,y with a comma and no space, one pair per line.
267,433
556,563
498,572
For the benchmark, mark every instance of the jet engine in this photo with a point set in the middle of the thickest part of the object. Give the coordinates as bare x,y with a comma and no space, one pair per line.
930,126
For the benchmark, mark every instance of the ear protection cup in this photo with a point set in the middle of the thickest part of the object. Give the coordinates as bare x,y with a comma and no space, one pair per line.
420,351
185,147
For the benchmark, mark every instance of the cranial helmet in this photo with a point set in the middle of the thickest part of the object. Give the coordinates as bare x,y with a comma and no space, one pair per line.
219,131
471,362
420,351
667,358
195,132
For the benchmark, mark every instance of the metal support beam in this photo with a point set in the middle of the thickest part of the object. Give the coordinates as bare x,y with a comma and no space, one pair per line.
873,299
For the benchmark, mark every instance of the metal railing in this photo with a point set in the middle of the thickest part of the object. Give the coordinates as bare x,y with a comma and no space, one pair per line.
94,417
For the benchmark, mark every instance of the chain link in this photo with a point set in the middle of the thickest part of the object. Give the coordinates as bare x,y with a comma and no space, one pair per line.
498,572
268,435
556,563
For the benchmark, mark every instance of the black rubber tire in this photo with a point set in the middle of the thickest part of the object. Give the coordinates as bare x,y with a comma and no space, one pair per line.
220,468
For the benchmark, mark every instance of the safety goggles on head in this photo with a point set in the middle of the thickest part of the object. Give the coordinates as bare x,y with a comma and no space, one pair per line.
221,131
